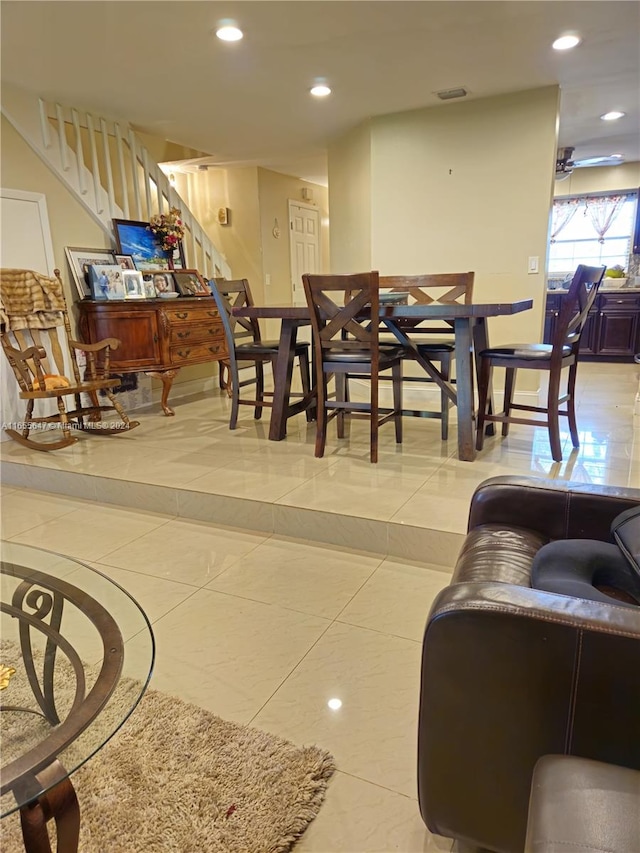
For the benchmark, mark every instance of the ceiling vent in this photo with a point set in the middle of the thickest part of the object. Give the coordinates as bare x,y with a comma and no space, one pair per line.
450,94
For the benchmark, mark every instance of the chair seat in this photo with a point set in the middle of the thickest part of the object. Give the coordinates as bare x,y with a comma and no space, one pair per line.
387,354
535,352
266,347
437,346
431,347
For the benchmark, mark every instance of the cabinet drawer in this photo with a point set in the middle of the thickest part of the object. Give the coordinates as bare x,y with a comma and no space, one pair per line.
195,353
192,334
619,301
191,314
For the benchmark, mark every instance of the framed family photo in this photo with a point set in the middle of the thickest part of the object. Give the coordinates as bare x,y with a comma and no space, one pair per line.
190,283
107,281
126,262
160,281
79,262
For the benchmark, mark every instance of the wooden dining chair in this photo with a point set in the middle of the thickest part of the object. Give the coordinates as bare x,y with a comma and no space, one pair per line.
36,336
434,339
247,349
346,343
554,357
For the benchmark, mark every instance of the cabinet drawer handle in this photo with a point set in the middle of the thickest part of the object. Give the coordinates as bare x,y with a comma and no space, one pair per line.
212,313
184,353
155,338
212,331
183,334
214,349
182,315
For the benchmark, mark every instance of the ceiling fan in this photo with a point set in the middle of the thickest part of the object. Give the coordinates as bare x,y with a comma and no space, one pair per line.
565,165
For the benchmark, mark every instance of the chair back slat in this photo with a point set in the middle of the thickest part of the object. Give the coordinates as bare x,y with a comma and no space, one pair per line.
427,289
575,307
235,294
336,302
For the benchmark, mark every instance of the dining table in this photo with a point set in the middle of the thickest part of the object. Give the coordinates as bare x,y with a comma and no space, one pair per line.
469,324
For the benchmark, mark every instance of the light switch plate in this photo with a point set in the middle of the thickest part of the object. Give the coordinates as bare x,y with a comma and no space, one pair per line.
533,265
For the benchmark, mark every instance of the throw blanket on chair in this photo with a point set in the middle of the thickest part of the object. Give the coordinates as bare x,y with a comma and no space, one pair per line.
30,300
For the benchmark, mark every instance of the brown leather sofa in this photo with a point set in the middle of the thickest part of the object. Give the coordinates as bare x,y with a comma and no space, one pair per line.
510,673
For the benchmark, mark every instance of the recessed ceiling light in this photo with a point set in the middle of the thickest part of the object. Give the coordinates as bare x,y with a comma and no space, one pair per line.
320,91
229,33
612,116
566,42
617,156
335,704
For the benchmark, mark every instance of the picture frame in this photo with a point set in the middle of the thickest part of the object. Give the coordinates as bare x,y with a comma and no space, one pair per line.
107,282
80,260
126,262
134,285
160,280
134,237
190,283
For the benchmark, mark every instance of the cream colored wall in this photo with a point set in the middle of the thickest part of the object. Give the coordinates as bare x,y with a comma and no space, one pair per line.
468,186
350,201
275,190
599,179
71,225
239,242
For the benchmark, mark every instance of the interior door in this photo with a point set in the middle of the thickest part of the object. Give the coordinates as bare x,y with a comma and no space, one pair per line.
304,231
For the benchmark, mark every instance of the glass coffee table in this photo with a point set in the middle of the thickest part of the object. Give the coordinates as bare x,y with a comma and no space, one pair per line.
82,652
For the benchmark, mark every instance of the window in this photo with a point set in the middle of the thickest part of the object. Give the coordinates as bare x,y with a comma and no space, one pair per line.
594,230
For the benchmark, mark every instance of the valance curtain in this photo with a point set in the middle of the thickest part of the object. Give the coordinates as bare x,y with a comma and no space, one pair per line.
602,211
562,214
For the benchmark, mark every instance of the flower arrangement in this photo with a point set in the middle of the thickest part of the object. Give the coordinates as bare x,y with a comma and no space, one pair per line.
169,228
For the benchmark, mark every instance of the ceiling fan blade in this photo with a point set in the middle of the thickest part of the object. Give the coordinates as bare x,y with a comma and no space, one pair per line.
597,161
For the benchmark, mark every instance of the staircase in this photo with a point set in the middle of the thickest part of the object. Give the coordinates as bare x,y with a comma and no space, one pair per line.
111,173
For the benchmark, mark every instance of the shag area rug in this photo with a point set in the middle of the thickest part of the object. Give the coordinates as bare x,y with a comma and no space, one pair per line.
178,779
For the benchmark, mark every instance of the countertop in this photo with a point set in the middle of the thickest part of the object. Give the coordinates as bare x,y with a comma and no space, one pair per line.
603,289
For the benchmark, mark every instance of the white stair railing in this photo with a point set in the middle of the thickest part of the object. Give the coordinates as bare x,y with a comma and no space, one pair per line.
103,162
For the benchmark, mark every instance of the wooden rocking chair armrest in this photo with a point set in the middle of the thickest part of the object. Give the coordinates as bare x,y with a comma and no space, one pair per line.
107,343
26,354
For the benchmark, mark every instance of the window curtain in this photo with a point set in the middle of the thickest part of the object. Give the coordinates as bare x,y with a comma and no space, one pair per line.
562,214
603,211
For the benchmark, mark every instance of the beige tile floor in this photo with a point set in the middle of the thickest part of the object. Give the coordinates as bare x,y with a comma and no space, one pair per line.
265,628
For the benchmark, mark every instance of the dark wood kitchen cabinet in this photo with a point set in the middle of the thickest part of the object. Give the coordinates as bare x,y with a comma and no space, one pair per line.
612,331
156,336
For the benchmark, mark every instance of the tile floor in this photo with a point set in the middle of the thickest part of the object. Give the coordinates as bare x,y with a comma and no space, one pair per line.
265,628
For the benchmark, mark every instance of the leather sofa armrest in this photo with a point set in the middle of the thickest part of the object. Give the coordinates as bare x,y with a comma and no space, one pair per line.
510,674
554,509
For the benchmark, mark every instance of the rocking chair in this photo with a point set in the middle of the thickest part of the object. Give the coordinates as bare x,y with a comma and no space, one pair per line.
33,311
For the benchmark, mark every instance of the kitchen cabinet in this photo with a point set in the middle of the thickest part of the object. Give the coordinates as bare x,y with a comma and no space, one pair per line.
157,336
612,330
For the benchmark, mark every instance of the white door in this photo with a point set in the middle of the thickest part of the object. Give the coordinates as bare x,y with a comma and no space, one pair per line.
304,234
26,244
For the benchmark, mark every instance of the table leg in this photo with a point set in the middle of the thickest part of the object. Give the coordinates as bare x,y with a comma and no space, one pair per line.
480,343
58,803
166,377
464,386
282,380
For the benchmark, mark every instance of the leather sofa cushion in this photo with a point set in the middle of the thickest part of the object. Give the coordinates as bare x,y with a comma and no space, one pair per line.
583,806
493,552
625,529
586,568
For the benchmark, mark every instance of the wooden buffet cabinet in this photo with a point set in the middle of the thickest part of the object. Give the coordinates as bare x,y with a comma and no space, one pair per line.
157,336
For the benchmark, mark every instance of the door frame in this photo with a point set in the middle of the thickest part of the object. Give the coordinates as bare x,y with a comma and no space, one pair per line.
308,206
